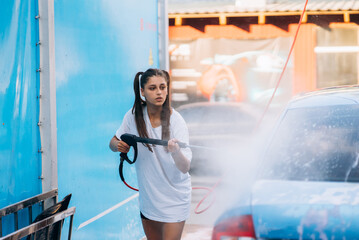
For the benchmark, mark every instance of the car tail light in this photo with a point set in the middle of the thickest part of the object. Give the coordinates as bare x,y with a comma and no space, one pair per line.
240,227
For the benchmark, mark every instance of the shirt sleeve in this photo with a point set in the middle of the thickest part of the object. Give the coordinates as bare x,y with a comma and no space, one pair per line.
180,132
126,125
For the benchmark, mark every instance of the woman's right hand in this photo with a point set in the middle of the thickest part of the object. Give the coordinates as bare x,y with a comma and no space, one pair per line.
117,145
123,147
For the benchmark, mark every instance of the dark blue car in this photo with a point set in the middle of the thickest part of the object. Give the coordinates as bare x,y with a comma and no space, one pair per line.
308,183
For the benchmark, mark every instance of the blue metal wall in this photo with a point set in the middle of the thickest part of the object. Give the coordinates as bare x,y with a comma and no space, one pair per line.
100,45
20,162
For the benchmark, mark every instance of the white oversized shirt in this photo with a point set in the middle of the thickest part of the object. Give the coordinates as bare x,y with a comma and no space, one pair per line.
164,191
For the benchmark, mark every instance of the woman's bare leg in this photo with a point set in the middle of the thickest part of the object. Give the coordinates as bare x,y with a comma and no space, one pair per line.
153,229
162,231
172,231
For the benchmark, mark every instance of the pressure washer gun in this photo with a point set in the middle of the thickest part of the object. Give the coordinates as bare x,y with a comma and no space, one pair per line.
132,141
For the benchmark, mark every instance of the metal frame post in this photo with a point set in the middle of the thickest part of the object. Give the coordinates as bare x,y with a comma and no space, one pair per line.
47,118
163,34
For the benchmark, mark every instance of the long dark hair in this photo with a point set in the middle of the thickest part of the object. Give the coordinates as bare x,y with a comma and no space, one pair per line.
142,78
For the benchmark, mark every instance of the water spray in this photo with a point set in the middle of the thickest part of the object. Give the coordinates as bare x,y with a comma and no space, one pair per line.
132,140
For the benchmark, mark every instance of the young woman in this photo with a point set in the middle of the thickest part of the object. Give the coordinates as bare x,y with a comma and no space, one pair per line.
162,172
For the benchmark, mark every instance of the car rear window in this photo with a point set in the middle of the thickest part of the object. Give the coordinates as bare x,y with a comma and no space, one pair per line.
315,144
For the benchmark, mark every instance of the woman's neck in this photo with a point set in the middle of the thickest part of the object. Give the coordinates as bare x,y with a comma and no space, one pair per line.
154,113
154,110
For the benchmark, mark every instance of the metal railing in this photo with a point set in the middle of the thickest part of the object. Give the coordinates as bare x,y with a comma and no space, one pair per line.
42,225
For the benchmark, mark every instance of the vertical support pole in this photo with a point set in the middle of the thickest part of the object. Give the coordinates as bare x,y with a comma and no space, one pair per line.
0,226
261,19
346,17
305,18
304,59
178,21
222,19
48,232
55,198
70,226
30,214
16,221
163,35
47,117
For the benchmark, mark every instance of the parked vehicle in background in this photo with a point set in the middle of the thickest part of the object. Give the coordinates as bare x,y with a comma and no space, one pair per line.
218,126
308,183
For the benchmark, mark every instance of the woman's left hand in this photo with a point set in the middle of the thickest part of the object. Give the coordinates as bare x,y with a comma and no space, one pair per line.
173,146
182,163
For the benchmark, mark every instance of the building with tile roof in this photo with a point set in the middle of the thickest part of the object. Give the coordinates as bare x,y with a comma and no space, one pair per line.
325,53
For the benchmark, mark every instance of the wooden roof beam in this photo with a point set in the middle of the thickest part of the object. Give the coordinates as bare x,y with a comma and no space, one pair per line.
257,14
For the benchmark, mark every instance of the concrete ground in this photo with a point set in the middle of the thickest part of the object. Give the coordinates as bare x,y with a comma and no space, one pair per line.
196,232
199,226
